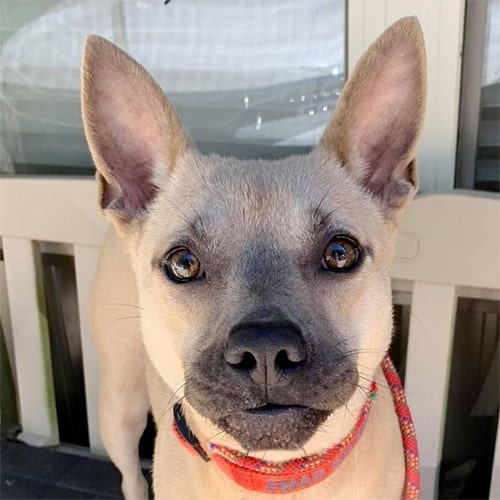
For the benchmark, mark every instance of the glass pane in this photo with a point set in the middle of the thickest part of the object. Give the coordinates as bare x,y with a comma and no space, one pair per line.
251,79
487,176
473,398
478,151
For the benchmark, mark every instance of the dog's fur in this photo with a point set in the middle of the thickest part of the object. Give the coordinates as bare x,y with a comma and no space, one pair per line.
259,229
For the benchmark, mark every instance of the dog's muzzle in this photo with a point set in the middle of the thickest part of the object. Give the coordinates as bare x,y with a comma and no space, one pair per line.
268,385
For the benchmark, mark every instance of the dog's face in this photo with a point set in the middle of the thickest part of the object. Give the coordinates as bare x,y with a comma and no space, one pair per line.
264,286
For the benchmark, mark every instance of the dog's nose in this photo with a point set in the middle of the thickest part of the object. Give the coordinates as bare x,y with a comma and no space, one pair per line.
267,351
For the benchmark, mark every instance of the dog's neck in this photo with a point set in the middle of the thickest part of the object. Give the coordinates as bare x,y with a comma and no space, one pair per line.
298,474
274,477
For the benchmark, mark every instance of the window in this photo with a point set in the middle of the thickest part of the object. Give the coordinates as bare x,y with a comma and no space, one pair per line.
248,79
478,155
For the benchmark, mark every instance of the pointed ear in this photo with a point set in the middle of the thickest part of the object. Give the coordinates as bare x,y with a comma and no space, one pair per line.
377,122
131,128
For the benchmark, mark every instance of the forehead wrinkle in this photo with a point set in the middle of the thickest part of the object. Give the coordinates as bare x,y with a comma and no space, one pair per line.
322,221
191,233
195,231
325,223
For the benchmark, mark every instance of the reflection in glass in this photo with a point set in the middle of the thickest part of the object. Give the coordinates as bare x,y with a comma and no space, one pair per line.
248,78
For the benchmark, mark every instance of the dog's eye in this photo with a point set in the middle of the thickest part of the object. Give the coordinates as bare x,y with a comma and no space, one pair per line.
341,254
181,265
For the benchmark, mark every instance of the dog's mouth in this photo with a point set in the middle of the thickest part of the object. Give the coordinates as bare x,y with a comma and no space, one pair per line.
276,410
273,426
270,416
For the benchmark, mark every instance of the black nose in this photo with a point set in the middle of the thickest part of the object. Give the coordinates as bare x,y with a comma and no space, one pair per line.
267,351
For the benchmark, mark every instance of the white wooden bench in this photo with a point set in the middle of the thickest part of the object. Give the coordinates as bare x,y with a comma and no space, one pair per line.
449,248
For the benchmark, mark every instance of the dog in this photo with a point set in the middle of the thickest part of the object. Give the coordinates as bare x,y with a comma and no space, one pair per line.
248,303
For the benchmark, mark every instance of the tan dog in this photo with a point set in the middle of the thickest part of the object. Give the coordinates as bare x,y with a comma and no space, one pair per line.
255,293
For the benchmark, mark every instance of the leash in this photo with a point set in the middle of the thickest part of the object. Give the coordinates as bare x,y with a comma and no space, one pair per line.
300,473
408,435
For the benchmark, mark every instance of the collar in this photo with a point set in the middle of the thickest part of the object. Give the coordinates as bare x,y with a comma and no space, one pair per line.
298,474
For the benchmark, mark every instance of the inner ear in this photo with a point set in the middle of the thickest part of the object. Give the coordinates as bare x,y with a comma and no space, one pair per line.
375,128
385,114
132,130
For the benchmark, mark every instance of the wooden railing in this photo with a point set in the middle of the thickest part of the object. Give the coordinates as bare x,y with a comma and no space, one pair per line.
449,248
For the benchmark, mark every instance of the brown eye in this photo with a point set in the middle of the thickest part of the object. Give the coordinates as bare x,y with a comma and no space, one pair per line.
340,255
181,265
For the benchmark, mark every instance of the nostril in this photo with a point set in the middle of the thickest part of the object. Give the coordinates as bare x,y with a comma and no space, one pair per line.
248,362
285,361
241,360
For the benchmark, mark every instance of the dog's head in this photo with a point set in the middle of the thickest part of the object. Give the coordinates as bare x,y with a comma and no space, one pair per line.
264,285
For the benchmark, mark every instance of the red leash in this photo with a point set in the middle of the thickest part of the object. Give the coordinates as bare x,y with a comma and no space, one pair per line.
408,435
298,474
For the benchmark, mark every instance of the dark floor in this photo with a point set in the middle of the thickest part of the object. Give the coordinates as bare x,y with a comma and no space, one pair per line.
29,473
33,473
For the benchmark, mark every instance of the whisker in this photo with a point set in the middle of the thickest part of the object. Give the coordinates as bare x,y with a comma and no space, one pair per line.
120,304
217,434
168,406
123,318
363,351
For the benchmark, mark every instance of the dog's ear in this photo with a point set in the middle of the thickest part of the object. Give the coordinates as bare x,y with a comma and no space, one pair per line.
375,127
132,130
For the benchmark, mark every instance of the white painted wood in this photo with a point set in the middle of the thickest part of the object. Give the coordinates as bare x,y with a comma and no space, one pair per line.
450,245
432,324
64,210
451,238
365,22
442,24
31,343
86,258
60,210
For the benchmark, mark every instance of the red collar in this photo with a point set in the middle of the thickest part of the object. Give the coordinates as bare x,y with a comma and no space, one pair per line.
300,473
